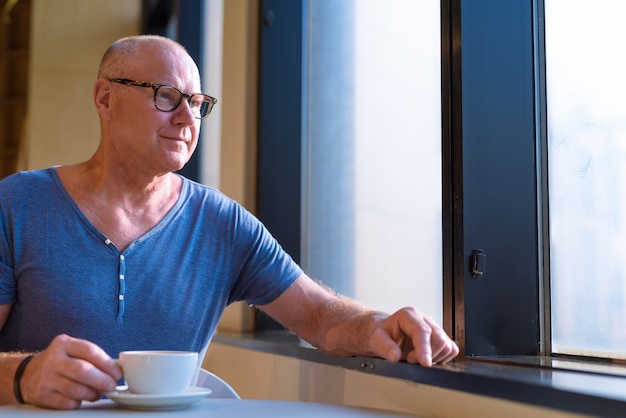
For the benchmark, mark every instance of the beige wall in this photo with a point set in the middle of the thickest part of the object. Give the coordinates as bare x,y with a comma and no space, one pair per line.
68,38
239,122
259,375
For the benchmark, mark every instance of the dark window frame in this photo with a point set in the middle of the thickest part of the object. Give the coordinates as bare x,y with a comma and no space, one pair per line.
492,145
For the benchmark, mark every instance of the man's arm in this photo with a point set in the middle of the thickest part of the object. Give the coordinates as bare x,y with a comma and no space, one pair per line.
4,314
341,326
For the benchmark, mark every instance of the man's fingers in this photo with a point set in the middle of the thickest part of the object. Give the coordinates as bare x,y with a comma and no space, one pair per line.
93,355
89,364
444,349
68,371
430,342
385,347
410,335
85,380
413,324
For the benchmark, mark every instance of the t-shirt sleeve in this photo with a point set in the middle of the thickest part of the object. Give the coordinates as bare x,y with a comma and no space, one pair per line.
264,269
7,276
7,284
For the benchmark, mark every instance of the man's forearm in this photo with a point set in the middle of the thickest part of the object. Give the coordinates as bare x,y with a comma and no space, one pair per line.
332,323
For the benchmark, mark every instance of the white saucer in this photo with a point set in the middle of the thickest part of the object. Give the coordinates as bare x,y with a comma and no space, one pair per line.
158,402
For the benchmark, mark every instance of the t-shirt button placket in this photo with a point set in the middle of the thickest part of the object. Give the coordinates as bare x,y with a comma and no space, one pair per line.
121,287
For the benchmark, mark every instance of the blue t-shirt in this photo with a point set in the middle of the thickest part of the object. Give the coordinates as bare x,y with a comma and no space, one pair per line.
166,291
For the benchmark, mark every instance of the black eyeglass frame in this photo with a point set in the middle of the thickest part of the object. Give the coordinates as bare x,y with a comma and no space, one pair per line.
154,86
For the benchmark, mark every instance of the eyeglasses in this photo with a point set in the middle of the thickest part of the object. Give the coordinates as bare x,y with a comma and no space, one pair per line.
168,98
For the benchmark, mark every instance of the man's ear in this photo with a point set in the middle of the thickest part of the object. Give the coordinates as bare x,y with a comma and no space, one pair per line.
102,97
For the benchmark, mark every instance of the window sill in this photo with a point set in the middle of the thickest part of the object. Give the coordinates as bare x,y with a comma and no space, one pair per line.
574,386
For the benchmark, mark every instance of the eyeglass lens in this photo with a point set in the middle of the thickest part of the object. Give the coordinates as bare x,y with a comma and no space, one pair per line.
168,98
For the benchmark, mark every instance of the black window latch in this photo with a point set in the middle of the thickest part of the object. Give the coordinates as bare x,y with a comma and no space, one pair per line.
479,263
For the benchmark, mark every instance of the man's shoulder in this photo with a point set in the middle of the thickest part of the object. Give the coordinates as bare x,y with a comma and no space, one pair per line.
201,191
202,199
22,181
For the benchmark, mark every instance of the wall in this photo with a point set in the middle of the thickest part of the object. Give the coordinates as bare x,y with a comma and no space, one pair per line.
14,64
259,375
238,101
67,40
237,147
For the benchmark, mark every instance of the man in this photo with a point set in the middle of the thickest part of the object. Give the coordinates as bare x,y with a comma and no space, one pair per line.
120,253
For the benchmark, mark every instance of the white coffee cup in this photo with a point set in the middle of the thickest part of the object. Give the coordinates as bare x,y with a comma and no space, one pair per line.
158,372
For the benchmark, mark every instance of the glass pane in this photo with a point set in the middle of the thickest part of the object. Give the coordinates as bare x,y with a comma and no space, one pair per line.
372,181
586,88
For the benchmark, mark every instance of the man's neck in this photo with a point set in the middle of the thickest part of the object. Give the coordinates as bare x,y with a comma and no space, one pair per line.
123,207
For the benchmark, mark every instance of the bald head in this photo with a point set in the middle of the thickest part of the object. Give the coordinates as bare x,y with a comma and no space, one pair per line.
126,50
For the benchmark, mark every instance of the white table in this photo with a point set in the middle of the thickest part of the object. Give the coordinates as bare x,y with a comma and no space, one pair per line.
212,408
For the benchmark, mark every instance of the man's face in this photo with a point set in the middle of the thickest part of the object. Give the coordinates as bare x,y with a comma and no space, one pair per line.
142,135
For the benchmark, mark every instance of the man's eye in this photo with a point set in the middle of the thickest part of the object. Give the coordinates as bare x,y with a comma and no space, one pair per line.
165,95
196,101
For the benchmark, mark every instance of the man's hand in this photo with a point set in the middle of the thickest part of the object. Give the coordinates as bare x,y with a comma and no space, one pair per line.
412,336
69,371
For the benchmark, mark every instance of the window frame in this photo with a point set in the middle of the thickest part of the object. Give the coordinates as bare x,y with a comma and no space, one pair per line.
279,164
492,122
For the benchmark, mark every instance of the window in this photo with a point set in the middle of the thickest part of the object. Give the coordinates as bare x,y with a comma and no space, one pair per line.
553,281
586,153
353,143
372,151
